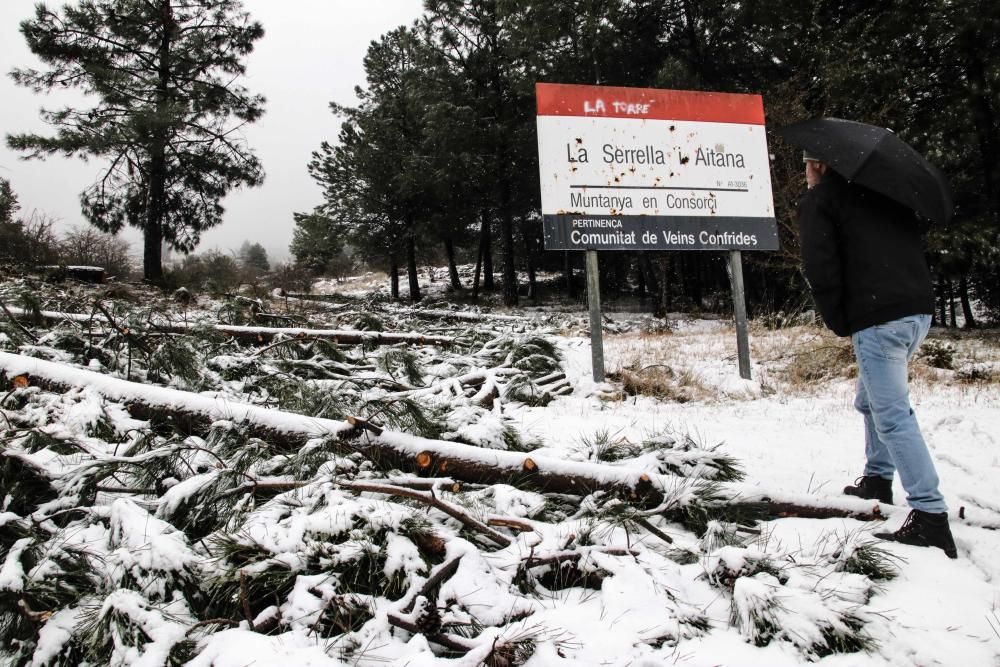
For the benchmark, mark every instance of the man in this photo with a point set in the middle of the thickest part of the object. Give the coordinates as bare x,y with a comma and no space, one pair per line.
864,261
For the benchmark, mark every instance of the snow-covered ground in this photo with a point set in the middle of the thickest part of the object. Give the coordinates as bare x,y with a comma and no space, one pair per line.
780,592
936,612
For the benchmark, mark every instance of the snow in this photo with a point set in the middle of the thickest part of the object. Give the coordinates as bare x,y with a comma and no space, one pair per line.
162,630
402,556
12,572
154,396
799,446
147,548
54,635
239,648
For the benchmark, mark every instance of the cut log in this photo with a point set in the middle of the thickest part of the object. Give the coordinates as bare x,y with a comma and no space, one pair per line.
312,305
185,411
258,335
780,510
550,379
465,463
424,460
345,337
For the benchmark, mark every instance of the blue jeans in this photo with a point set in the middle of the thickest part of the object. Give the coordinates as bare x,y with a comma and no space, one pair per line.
892,437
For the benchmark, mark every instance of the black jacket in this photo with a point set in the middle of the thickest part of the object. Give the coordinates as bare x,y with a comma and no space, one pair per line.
863,256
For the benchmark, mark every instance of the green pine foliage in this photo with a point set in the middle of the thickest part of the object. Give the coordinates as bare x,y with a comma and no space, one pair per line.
682,455
402,363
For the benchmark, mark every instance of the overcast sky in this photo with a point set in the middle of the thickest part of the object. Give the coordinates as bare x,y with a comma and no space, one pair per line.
310,55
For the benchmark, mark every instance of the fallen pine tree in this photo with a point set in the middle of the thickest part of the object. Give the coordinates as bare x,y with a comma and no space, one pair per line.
393,450
250,334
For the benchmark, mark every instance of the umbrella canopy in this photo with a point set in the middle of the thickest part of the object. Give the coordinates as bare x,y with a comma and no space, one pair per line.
877,159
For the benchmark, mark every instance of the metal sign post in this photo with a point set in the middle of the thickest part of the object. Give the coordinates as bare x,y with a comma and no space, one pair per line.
594,299
645,169
734,267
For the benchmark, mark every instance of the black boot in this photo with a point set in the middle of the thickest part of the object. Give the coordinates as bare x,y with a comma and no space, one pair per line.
871,487
925,529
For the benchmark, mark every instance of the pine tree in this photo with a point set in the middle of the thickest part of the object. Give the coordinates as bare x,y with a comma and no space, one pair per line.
316,240
253,257
8,202
168,109
476,38
11,235
376,180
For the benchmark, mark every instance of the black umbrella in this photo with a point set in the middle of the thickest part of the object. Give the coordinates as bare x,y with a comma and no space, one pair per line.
877,159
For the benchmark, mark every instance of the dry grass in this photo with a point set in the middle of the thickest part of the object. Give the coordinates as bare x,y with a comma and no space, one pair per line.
670,365
697,361
818,360
664,383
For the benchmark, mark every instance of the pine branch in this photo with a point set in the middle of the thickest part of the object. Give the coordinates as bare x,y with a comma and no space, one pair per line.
653,529
124,332
14,321
440,575
449,641
574,556
428,499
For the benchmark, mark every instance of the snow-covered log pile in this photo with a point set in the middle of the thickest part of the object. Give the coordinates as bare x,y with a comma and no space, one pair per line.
168,497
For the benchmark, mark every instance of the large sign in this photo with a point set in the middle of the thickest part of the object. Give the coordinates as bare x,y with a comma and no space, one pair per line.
646,169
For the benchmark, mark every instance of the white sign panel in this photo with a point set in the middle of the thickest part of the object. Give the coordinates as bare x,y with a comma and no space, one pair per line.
643,169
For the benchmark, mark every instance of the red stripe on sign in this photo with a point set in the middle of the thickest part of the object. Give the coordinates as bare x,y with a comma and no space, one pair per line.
563,99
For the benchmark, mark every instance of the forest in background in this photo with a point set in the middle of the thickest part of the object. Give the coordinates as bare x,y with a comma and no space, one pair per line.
438,162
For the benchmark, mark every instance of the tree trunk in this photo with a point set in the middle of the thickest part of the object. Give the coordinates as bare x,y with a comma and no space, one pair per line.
942,303
486,249
411,265
963,293
529,257
665,295
475,277
449,249
507,231
951,304
648,274
697,279
394,277
152,255
568,273
152,247
640,280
